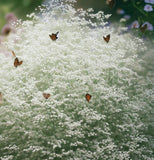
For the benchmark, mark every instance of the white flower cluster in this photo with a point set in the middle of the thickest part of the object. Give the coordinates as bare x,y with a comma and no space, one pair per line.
66,126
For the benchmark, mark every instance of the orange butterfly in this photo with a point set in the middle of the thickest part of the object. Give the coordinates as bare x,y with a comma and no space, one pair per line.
1,98
16,62
46,95
143,28
53,36
88,97
107,38
111,3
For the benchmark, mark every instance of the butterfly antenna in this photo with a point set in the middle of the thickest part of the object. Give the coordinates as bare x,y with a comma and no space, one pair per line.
13,54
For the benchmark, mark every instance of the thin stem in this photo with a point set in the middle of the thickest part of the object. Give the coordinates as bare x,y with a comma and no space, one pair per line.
133,2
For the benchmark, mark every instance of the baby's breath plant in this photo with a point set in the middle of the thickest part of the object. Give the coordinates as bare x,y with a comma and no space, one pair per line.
114,124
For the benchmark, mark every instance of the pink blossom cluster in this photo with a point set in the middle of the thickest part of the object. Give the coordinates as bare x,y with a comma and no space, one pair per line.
7,28
10,18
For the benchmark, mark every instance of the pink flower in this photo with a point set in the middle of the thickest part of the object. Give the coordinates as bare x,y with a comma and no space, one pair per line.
148,8
135,24
149,26
7,29
149,1
120,11
10,17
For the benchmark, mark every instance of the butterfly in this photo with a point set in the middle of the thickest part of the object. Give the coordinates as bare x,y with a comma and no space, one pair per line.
88,97
17,62
143,28
111,3
1,98
107,38
46,95
53,36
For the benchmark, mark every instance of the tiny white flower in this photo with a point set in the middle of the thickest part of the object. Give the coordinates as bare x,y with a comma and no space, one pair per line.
135,24
148,8
122,20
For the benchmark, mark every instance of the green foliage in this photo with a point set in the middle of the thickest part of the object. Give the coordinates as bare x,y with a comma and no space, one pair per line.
19,7
133,8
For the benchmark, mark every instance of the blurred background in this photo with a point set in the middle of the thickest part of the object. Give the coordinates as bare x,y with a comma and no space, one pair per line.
19,7
135,13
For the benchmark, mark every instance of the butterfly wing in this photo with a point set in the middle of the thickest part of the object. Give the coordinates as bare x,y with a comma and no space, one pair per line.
46,95
20,63
143,28
107,38
16,62
57,34
53,36
104,38
88,97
